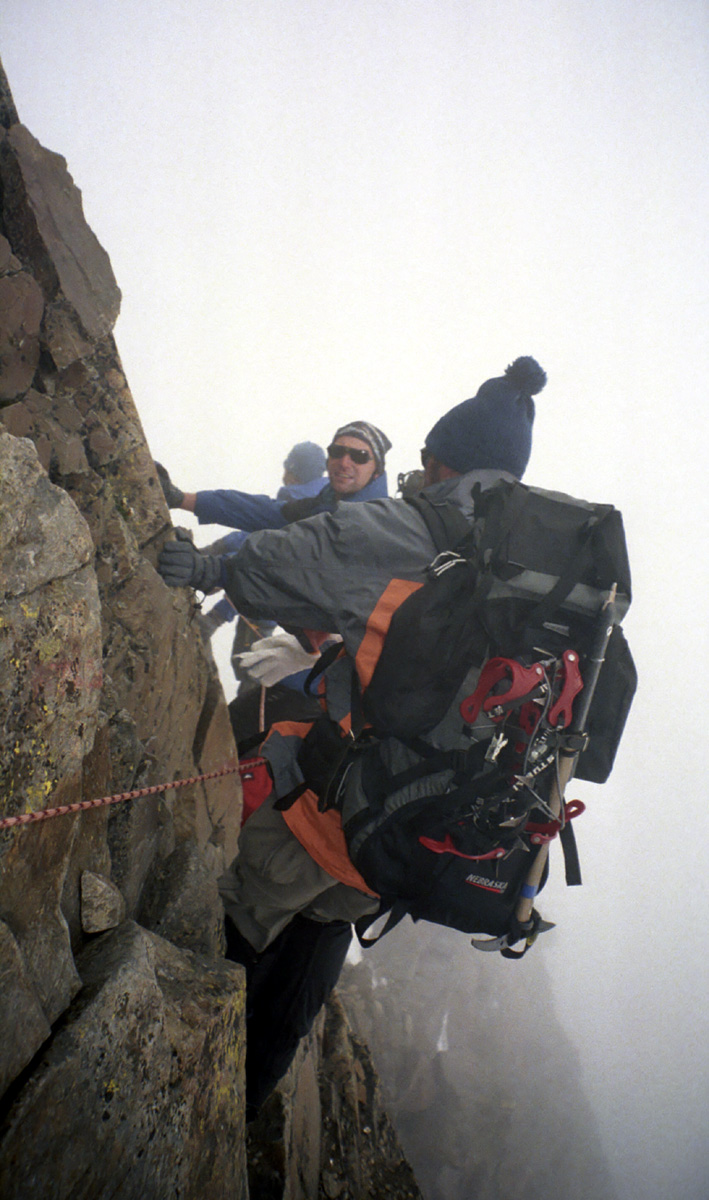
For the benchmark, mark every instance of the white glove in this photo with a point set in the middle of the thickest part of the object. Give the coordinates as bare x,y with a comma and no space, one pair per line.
272,658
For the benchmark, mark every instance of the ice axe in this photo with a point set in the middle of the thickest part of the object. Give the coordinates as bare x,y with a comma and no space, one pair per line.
527,923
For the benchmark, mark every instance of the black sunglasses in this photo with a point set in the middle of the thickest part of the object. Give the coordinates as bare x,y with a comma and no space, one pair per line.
358,456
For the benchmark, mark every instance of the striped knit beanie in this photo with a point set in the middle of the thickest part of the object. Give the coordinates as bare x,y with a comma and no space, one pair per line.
377,441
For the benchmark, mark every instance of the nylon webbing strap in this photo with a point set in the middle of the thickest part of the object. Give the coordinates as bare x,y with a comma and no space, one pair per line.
498,520
327,657
445,522
397,913
572,866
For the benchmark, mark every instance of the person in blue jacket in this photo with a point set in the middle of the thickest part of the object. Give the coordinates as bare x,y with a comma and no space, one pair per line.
355,471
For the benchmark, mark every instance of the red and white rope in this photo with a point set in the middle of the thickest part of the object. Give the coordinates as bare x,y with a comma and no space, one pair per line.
81,805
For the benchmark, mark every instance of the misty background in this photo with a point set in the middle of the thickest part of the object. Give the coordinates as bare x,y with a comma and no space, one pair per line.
321,211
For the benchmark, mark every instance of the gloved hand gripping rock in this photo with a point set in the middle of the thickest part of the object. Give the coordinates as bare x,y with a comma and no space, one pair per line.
181,564
173,495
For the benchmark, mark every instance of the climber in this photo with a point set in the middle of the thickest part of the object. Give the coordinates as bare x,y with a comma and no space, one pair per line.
345,572
355,469
303,477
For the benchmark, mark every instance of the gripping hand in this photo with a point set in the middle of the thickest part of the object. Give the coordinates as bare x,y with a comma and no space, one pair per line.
173,495
273,658
181,564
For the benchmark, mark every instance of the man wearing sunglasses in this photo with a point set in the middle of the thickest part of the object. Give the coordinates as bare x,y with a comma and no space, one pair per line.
355,469
355,461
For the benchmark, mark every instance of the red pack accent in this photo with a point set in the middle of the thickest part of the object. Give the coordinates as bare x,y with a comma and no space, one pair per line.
540,833
256,783
447,846
523,681
529,715
573,684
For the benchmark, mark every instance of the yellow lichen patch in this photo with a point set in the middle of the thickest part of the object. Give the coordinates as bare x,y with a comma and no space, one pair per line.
50,648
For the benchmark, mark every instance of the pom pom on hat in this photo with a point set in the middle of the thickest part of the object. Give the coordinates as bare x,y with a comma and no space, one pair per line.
493,430
306,461
526,374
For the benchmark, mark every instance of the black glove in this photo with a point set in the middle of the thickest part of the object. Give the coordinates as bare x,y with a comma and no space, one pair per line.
182,565
173,495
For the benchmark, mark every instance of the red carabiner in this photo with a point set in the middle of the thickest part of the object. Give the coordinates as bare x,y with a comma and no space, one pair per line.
523,681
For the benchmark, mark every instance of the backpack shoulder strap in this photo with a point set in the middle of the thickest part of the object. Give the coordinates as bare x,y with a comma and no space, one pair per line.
444,521
499,507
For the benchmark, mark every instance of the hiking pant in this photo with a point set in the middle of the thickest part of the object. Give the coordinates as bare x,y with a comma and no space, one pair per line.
289,923
286,987
273,877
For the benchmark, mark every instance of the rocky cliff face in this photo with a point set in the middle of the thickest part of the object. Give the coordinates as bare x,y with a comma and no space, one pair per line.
121,1050
121,1043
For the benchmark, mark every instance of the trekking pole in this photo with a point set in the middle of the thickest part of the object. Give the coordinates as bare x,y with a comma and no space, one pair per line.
567,766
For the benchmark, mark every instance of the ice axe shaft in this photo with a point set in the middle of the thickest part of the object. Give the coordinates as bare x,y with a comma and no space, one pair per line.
567,765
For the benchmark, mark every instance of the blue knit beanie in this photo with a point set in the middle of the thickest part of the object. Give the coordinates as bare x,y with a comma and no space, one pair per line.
493,429
306,461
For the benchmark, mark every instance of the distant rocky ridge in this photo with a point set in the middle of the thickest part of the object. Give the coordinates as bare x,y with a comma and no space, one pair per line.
121,1043
482,1083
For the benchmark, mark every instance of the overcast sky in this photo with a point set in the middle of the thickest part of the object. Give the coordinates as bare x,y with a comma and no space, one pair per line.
320,211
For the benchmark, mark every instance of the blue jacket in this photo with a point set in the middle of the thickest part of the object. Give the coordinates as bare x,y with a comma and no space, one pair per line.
243,510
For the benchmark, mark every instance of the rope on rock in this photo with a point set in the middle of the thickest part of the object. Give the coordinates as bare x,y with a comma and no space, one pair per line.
81,805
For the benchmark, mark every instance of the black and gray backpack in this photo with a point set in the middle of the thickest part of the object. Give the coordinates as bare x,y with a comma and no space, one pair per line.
512,651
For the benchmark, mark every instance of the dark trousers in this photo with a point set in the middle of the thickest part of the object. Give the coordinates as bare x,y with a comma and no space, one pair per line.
286,986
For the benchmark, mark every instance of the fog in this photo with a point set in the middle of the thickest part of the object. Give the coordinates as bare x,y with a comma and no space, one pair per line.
325,211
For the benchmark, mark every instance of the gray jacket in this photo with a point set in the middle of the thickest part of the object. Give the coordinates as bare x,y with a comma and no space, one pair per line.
329,572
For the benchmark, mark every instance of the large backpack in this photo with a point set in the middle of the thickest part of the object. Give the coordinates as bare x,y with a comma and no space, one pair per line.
513,608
